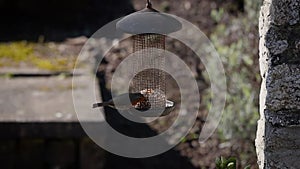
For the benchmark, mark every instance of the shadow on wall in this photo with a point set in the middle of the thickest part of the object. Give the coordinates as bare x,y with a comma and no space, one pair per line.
56,20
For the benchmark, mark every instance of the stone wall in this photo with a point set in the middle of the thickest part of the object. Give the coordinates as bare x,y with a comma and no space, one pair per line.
278,135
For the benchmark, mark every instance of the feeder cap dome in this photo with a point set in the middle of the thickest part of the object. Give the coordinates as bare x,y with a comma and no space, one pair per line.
148,20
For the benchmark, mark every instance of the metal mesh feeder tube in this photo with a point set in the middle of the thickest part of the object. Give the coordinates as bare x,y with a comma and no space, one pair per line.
150,28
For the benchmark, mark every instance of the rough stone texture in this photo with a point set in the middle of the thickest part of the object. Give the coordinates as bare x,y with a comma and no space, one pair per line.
283,44
285,12
285,118
264,24
282,148
278,135
283,86
278,47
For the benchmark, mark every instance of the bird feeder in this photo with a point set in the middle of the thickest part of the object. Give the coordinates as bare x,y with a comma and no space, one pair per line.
149,28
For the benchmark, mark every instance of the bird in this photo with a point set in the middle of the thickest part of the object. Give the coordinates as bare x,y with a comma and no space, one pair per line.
140,101
122,101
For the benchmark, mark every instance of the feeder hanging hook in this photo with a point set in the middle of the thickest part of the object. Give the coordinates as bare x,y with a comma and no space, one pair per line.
149,5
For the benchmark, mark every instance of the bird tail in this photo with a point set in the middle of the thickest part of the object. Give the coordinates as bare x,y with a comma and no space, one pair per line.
100,104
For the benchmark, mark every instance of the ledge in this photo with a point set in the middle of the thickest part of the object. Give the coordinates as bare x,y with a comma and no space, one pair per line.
43,106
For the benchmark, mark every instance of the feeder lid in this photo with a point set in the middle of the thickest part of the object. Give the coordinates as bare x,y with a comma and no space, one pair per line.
148,20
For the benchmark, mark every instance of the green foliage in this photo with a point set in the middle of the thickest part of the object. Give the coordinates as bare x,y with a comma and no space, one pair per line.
189,137
222,163
217,14
230,163
236,40
236,44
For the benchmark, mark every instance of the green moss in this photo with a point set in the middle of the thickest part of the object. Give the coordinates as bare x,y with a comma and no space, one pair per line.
14,53
59,64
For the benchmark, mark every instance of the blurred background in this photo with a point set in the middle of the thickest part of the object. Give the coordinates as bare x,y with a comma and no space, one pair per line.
39,44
